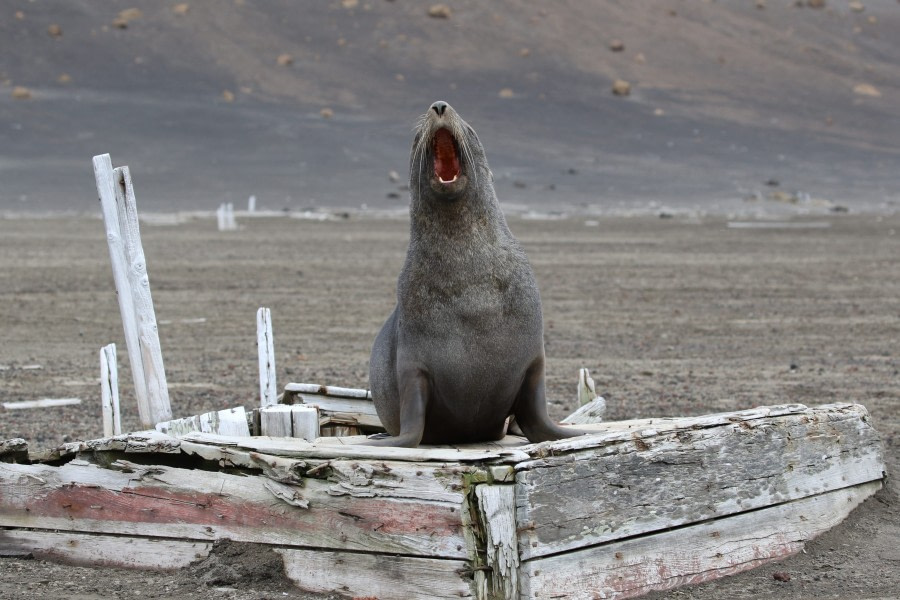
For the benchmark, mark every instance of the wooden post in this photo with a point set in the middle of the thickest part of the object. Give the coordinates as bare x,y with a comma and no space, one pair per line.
268,394
109,391
133,287
225,217
251,204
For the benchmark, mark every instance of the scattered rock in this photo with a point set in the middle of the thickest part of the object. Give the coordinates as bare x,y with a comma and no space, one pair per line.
439,11
181,9
228,96
524,52
872,20
857,6
506,93
658,112
520,184
399,77
21,93
350,3
285,60
617,45
621,87
54,30
785,197
781,576
864,89
393,195
815,3
394,176
760,4
837,208
64,78
773,182
125,17
20,15
326,113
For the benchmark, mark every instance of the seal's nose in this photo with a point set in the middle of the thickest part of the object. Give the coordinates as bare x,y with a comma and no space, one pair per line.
439,107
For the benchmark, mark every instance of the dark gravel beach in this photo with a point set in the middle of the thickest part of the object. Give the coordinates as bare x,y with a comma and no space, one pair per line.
672,317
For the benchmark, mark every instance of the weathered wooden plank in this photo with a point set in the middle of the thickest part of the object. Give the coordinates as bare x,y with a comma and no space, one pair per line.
102,550
265,343
293,447
377,576
14,449
496,508
692,554
681,476
328,390
109,391
160,501
289,420
42,403
592,412
232,421
148,333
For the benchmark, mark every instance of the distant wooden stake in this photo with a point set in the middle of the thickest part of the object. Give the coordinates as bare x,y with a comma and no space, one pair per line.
586,389
268,394
109,391
133,288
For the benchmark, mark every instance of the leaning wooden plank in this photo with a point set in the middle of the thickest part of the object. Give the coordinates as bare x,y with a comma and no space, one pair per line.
293,447
377,575
265,344
106,188
689,555
148,333
592,412
109,391
102,550
192,504
649,483
337,404
42,403
232,421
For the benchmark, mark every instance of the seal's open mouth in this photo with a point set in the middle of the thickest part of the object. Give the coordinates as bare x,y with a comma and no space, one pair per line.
446,158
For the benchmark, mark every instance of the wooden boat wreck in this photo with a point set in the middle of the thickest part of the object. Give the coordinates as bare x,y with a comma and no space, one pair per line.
637,506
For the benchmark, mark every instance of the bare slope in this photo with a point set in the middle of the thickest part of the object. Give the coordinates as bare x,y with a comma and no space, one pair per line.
725,96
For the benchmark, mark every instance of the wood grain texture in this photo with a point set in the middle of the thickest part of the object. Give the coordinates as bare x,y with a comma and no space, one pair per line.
496,508
652,482
377,576
692,554
265,346
201,505
102,550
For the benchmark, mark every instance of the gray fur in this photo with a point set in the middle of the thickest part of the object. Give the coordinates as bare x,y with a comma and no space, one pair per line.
463,349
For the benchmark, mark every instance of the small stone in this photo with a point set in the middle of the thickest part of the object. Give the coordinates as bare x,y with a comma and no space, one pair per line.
64,78
773,182
54,30
399,77
285,60
640,59
760,4
21,93
181,9
506,93
857,6
350,3
525,52
617,45
872,20
439,11
621,87
20,15
815,3
864,89
658,112
326,113
781,576
394,176
228,96
126,16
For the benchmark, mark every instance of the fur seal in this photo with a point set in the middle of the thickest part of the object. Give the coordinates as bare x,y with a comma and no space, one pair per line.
464,347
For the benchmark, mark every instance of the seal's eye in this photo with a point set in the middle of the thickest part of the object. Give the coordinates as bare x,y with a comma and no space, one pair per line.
446,158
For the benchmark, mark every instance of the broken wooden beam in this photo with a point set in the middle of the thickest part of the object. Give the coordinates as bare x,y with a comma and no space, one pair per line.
109,391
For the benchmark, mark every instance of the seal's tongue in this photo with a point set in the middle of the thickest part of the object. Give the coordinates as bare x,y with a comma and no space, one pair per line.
446,161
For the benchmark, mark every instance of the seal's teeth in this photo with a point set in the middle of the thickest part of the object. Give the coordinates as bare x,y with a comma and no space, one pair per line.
455,177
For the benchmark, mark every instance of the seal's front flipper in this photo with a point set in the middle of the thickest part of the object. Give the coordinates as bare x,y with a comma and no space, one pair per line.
413,402
530,410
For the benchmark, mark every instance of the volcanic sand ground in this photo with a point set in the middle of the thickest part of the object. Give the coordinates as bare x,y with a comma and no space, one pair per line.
672,317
